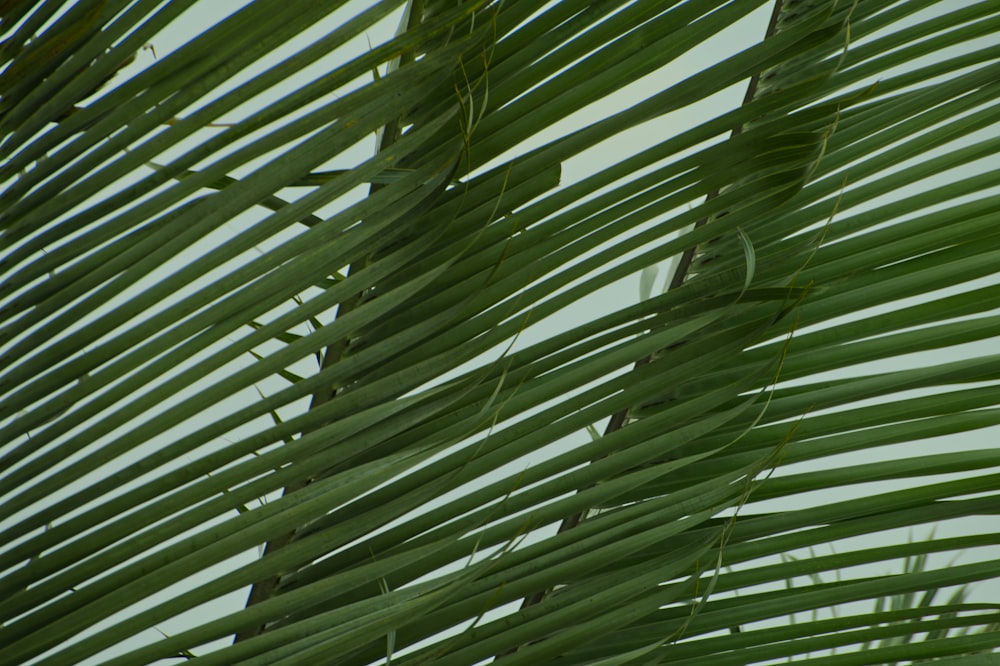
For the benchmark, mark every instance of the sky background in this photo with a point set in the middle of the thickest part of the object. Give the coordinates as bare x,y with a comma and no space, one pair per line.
611,298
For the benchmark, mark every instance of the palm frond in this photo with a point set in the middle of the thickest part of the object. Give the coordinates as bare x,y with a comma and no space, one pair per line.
233,317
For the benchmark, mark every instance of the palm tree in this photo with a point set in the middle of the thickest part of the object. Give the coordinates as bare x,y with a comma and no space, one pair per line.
270,400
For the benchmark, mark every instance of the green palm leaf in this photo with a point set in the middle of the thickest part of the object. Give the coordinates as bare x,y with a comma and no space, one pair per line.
293,310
